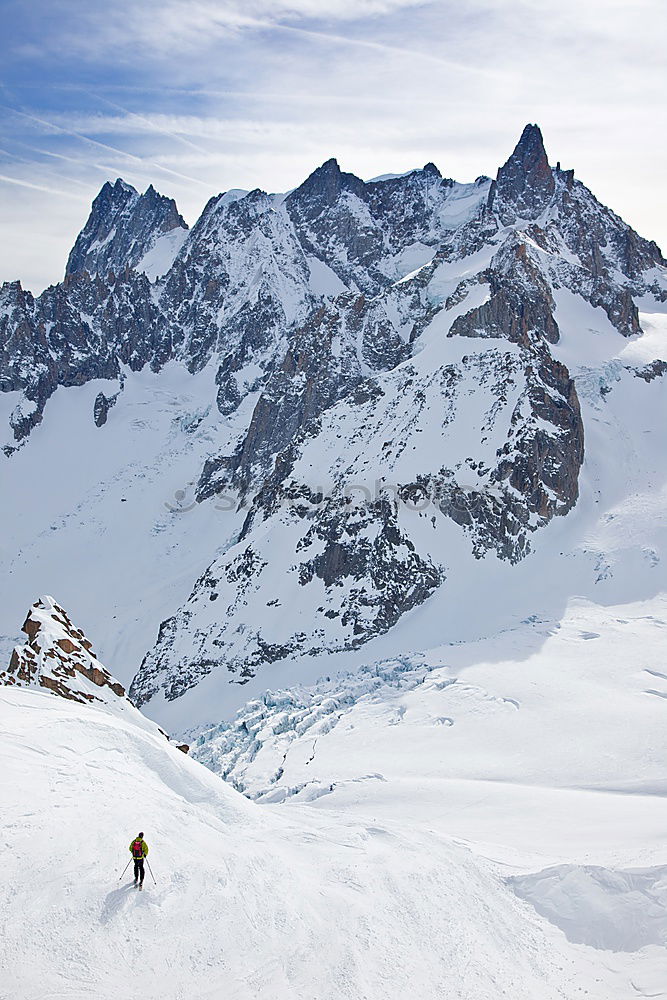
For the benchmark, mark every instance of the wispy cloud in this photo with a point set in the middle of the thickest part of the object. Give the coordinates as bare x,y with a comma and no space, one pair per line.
78,161
184,23
37,187
123,154
201,96
151,124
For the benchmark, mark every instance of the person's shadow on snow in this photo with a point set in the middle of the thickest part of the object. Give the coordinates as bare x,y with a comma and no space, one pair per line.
114,902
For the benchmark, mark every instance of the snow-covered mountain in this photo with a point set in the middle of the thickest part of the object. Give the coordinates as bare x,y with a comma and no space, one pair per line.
330,415
361,492
127,230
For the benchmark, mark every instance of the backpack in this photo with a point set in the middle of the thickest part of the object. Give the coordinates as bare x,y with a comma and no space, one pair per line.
138,849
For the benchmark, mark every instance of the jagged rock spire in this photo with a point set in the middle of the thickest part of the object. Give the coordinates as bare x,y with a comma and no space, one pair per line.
122,226
525,183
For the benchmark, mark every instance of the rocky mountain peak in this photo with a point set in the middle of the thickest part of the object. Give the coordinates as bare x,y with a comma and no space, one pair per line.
430,168
121,228
59,657
390,330
525,183
322,189
11,288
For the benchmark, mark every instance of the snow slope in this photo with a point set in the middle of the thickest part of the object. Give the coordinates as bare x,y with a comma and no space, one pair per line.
103,517
541,748
248,903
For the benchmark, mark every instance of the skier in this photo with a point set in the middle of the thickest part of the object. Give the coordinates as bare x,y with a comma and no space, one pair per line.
139,850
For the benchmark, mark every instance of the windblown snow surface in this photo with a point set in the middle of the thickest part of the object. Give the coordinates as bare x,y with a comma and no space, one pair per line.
252,902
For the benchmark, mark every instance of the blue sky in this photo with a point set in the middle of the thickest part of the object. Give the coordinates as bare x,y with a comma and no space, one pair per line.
198,96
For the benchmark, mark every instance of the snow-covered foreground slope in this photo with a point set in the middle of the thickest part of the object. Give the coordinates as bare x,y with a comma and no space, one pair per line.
541,748
250,902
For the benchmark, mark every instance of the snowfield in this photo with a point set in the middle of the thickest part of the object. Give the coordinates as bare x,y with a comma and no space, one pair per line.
252,902
549,706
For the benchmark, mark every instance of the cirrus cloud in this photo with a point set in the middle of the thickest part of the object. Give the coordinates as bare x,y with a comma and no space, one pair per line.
204,96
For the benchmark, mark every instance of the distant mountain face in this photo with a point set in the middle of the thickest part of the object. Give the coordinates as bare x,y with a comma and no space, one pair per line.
388,355
122,229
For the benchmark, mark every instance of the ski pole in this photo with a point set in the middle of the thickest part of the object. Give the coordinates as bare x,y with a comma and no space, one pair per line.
126,867
150,870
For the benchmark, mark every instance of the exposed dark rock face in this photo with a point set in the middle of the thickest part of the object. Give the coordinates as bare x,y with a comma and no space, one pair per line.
525,184
387,575
357,227
520,307
122,227
84,329
330,357
386,350
322,190
101,408
371,574
654,370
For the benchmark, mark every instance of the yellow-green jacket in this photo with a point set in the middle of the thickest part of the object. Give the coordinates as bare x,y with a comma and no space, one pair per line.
144,846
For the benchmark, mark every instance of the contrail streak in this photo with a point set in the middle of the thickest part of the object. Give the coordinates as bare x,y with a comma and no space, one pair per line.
382,47
58,156
218,19
37,187
103,145
76,160
152,126
255,95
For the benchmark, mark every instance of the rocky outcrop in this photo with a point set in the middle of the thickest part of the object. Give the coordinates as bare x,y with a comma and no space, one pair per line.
101,407
656,369
59,657
520,306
